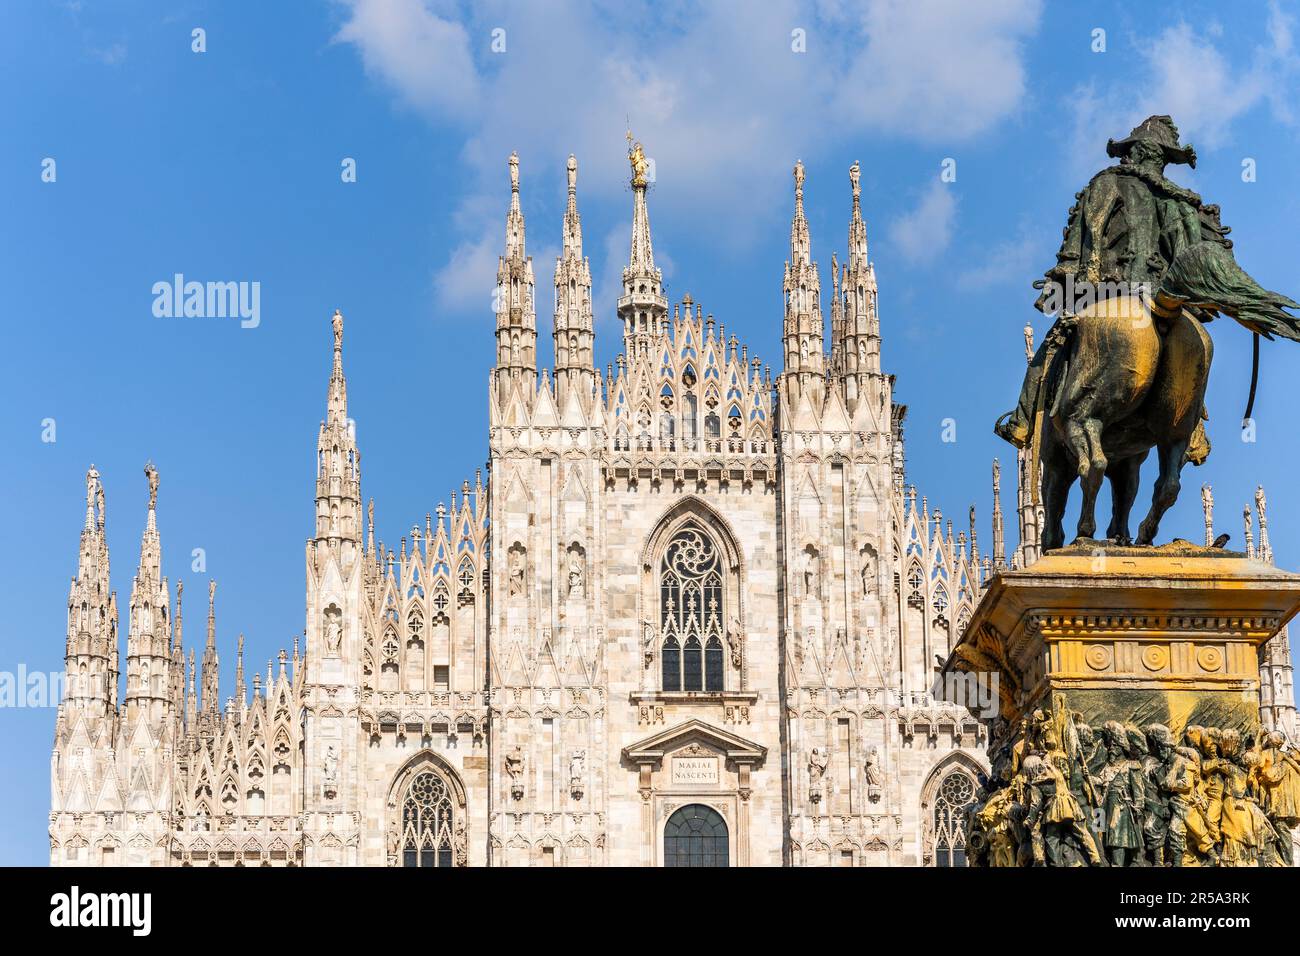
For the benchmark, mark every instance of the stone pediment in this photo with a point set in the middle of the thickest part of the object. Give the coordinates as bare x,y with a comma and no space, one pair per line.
694,733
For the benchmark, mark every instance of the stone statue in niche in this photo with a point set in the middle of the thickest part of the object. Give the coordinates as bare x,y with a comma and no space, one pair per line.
517,569
331,768
577,771
811,566
460,844
333,631
576,588
818,759
868,572
515,768
648,637
394,841
872,773
735,641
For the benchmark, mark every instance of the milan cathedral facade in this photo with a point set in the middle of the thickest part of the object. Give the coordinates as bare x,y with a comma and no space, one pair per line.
692,619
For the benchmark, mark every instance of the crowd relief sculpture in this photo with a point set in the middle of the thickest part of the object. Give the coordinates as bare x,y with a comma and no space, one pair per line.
1066,794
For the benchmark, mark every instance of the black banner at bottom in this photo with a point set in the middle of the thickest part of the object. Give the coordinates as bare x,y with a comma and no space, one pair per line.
193,905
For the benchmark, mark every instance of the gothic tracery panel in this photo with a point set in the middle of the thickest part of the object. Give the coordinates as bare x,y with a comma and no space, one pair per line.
691,612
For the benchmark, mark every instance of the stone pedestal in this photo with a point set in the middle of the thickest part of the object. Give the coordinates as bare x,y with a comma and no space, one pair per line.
1168,635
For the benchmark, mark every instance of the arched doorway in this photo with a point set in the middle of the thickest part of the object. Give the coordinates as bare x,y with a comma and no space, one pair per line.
696,835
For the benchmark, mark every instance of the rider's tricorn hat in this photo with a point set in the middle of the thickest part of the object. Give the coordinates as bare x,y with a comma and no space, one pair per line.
1161,131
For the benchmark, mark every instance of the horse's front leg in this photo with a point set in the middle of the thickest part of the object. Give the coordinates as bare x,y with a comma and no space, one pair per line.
1058,476
1166,489
1084,441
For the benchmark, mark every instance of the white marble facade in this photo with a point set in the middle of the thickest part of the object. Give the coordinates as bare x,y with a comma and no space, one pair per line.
692,619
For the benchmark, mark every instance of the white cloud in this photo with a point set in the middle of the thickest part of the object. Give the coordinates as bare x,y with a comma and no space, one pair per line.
468,279
924,232
1186,74
938,69
1192,81
723,110
1012,261
424,57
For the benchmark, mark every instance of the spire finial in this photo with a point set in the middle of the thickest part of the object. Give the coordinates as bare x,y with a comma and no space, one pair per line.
1250,537
1207,508
514,172
798,184
855,180
1261,505
94,493
572,168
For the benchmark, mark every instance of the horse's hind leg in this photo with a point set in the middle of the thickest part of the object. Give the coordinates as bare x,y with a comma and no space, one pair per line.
1084,441
1166,490
1123,475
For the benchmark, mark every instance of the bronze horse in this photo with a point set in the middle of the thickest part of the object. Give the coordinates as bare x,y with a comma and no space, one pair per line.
1130,375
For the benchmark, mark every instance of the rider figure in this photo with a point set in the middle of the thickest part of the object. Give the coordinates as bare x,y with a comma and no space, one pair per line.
1124,230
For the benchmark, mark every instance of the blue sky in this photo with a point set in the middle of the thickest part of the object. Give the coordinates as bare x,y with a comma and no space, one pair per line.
225,166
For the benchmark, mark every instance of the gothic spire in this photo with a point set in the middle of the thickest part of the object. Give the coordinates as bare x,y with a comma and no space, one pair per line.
861,326
90,648
802,332
209,676
643,305
516,314
574,329
148,640
999,533
1207,510
338,462
1265,549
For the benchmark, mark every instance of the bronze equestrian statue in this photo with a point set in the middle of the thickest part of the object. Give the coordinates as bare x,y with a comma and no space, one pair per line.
1143,265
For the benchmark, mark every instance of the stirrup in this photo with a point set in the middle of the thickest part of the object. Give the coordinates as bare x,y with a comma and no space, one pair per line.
1003,429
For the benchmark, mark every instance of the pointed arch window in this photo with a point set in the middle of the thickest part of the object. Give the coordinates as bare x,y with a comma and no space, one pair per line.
428,820
956,794
691,612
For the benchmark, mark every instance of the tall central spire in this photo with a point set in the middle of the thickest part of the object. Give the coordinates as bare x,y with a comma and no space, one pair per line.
642,306
575,371
802,333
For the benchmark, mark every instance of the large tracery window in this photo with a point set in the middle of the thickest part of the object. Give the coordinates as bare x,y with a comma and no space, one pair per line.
956,793
690,613
427,822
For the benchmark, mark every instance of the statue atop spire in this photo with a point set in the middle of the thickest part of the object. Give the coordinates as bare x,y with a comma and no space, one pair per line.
642,306
151,473
637,158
